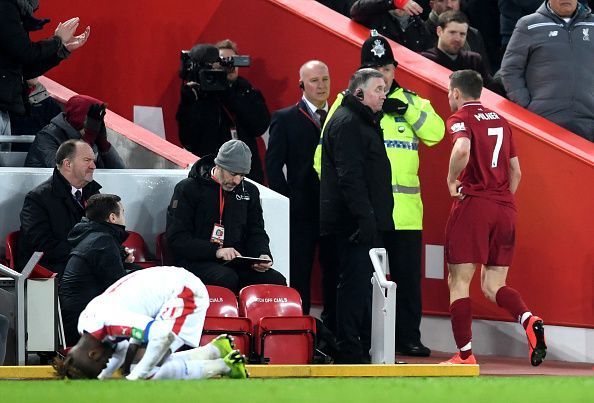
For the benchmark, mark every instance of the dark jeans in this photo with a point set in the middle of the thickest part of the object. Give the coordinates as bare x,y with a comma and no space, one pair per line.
213,273
353,302
404,249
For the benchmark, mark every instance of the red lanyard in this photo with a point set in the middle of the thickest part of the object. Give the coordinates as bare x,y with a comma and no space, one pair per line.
221,199
221,205
310,118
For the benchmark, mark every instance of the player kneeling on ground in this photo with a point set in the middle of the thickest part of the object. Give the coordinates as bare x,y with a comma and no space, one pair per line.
161,308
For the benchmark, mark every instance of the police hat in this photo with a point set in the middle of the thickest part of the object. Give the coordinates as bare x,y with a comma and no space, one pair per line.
376,52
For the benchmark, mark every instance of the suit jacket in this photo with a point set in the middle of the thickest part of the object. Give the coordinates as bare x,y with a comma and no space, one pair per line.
294,136
49,213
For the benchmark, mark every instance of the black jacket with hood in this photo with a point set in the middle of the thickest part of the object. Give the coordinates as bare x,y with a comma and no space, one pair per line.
95,262
194,209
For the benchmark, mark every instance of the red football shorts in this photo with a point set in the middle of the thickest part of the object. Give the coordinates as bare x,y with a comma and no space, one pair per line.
480,231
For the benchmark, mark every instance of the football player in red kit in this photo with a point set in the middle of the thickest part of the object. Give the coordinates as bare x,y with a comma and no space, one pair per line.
484,173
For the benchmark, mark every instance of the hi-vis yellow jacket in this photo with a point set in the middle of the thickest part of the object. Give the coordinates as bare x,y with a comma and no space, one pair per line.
401,138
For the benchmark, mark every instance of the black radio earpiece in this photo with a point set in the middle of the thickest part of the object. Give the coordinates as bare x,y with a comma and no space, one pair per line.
359,94
301,85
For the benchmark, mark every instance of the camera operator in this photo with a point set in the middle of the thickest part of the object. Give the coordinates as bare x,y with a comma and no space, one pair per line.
217,105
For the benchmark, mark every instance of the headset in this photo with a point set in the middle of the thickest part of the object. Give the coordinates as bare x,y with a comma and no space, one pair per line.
301,85
359,94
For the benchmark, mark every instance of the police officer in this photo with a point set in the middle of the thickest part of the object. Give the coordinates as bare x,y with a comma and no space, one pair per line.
408,119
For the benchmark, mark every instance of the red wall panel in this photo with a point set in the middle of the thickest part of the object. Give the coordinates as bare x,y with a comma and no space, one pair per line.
132,58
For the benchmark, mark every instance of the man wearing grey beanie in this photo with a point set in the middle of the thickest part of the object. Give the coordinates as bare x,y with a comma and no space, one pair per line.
215,216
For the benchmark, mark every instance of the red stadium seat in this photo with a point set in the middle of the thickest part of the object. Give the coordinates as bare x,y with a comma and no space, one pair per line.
12,240
221,317
163,253
279,322
142,256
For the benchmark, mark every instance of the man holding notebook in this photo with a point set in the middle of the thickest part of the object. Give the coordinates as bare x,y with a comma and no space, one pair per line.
215,217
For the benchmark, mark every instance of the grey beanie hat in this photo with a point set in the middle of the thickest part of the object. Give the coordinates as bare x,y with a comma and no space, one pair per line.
235,156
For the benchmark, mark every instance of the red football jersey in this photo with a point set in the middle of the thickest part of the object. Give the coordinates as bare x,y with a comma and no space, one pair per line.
491,148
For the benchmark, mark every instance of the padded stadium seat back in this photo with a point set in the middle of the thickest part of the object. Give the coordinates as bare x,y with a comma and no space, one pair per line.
276,334
275,312
223,302
163,252
257,301
142,255
12,240
239,328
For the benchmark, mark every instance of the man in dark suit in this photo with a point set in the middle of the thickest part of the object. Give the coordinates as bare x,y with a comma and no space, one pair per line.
294,135
54,207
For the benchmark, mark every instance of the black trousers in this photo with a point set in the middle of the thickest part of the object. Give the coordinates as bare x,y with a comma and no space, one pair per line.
213,273
70,323
303,242
404,249
353,301
329,263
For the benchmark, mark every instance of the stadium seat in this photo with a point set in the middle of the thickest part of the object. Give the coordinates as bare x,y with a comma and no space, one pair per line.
142,255
222,317
275,312
12,240
163,253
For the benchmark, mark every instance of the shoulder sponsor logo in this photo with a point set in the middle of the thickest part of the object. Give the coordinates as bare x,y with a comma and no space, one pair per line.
553,33
458,127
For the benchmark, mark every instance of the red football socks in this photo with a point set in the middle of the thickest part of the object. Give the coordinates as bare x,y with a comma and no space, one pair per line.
511,300
461,312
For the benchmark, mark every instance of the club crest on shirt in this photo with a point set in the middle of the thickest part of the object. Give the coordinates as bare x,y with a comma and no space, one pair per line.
458,127
378,48
586,32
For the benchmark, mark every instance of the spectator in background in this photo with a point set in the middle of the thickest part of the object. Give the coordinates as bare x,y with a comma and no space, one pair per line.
474,39
397,20
547,67
207,118
356,205
54,207
82,119
215,216
21,59
510,12
43,109
452,30
484,16
96,260
294,135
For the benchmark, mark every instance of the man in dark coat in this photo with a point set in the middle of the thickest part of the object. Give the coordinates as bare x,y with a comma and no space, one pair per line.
56,205
397,20
21,59
294,135
356,204
474,39
452,31
215,216
83,118
96,260
207,119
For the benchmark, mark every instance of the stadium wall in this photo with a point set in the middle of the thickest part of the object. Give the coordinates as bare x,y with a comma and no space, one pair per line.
132,59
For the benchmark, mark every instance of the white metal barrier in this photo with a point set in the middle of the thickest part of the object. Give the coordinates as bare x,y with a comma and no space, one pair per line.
31,306
383,319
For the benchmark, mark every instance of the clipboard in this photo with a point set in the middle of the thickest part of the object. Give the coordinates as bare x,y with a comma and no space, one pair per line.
245,261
